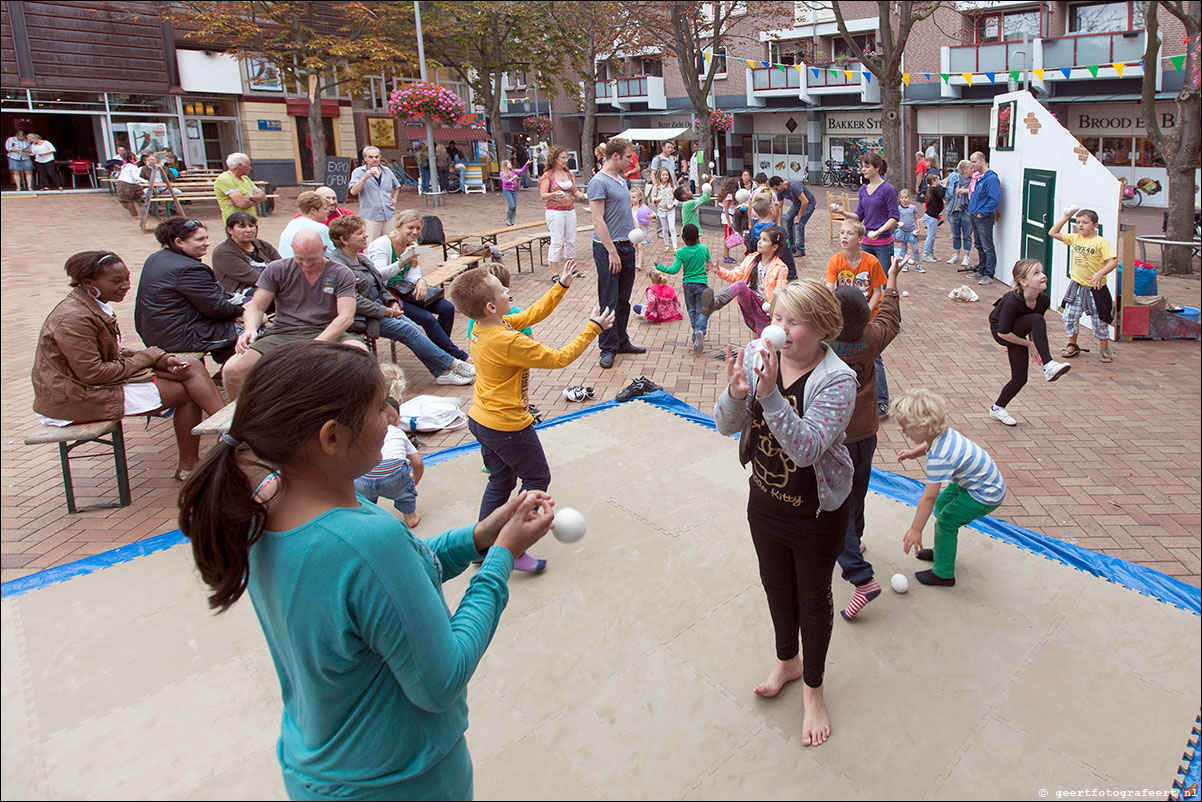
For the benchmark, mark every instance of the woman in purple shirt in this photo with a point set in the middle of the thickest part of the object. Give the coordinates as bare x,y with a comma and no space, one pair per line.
877,210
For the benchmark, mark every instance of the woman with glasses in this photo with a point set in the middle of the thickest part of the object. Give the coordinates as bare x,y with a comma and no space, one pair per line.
239,260
180,305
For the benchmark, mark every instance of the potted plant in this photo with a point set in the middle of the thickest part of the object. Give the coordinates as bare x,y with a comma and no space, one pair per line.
421,100
538,126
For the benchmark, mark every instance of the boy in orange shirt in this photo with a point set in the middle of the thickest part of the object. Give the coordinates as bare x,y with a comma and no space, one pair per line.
854,268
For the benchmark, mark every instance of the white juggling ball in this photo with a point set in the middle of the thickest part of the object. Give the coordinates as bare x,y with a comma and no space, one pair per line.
775,335
905,293
637,235
742,195
1068,210
569,525
765,306
707,189
900,583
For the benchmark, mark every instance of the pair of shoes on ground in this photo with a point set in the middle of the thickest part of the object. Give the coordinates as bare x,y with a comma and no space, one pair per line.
637,387
929,577
917,266
578,392
459,373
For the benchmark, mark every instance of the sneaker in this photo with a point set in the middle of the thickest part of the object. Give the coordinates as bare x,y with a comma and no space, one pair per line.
464,368
451,377
724,259
707,301
882,409
536,413
953,259
964,262
1000,413
985,280
1053,370
920,268
638,309
640,386
577,392
906,268
930,257
698,341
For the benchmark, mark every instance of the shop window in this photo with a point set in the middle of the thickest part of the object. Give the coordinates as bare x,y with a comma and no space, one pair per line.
978,143
953,152
1146,155
1008,27
70,101
141,104
1106,17
1116,151
1093,145
210,107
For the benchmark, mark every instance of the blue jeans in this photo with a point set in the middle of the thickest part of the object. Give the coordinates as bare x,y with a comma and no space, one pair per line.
437,321
509,456
961,225
408,333
884,255
462,170
900,240
983,228
692,302
798,238
856,569
397,486
932,230
425,174
613,291
511,198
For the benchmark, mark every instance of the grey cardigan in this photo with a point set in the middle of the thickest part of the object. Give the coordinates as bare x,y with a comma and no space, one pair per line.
814,439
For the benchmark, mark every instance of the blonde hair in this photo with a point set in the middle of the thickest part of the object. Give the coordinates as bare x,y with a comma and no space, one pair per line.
1023,268
499,270
656,276
394,379
920,408
856,226
471,292
310,202
963,164
905,193
761,204
813,304
405,216
636,195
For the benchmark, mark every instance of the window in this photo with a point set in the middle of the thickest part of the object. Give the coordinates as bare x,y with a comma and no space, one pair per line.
703,67
647,65
515,80
867,41
793,51
1106,17
1008,27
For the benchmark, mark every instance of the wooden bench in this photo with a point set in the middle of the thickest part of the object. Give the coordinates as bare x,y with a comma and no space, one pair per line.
520,246
448,270
218,423
544,239
260,208
71,437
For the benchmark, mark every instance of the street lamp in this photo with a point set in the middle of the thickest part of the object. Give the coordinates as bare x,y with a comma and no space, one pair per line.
436,190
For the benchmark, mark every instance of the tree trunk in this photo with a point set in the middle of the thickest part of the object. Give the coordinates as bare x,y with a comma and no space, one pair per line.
706,145
588,134
317,139
493,104
1181,227
891,95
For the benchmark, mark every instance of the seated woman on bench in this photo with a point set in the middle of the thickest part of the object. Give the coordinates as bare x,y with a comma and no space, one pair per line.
81,372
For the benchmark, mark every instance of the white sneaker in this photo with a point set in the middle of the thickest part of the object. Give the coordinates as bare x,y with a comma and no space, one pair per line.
1000,413
1053,370
905,268
698,342
920,268
955,258
464,368
985,280
451,377
964,261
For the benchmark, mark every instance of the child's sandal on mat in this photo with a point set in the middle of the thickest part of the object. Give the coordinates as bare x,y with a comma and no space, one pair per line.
1105,356
1071,350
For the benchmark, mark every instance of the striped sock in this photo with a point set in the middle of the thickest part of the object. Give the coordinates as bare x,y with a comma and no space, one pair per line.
864,594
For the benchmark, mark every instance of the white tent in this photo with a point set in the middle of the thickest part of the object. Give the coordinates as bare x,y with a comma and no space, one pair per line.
657,134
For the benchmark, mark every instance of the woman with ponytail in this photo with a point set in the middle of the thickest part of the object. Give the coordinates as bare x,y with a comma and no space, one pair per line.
373,667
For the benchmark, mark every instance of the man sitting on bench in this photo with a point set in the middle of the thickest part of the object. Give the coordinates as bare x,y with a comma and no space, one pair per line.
314,300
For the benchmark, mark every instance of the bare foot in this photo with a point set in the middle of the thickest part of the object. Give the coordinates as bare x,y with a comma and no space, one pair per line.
815,724
412,519
782,671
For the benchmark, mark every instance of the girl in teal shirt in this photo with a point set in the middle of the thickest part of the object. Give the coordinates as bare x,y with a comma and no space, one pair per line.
373,666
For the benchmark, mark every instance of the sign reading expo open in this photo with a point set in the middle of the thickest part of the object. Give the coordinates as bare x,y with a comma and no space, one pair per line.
338,175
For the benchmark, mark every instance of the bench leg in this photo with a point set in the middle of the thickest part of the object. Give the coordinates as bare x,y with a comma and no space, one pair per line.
64,455
123,495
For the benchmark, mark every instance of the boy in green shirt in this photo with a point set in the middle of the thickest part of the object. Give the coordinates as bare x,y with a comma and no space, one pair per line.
689,204
696,261
1093,258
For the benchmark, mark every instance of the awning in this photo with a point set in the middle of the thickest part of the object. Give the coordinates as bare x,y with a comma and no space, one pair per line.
657,134
418,132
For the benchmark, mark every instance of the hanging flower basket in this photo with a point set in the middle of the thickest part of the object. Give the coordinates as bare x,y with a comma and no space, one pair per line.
721,121
537,125
419,101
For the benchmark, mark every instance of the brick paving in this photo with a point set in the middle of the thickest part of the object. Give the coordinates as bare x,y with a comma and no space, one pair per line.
1107,458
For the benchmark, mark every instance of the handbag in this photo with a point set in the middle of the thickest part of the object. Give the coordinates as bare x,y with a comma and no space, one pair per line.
403,290
733,240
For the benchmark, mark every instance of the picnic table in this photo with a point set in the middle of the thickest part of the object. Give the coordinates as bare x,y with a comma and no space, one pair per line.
488,237
218,423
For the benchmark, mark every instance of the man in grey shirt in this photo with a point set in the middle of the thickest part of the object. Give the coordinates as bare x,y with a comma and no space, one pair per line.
376,189
666,158
613,254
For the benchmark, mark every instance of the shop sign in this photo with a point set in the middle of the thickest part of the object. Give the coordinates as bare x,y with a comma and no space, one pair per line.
270,125
1126,119
853,124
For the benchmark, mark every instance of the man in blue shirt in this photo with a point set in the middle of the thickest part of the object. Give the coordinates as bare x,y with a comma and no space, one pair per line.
803,204
981,208
377,189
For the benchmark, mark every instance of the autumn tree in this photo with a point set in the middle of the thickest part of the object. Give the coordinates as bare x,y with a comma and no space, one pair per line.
1179,146
896,23
480,42
316,45
689,29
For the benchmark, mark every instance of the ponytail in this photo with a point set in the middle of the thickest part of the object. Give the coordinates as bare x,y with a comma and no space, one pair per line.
288,396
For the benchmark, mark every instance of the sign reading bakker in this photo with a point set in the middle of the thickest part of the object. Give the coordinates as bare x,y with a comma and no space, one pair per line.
853,123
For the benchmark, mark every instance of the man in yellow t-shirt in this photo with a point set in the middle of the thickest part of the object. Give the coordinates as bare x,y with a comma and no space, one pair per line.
234,189
1093,258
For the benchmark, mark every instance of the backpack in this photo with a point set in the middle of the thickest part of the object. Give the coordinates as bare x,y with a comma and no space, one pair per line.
432,233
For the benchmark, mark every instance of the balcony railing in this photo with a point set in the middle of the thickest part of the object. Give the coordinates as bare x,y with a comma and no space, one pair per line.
632,87
601,88
1081,50
766,78
993,57
839,78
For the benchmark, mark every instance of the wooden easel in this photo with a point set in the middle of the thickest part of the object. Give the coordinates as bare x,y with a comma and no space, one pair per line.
166,176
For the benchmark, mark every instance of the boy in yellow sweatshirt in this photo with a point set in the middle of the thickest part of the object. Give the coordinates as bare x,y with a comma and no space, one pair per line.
500,416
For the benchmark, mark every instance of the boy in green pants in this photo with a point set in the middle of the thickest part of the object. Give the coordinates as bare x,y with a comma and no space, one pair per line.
975,485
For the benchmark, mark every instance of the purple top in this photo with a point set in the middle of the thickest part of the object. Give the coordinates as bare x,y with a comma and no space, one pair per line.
512,183
876,209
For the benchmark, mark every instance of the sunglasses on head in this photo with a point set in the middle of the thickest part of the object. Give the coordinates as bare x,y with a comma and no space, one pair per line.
191,224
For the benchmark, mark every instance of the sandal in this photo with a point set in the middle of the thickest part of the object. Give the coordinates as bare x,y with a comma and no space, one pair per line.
1071,350
1105,356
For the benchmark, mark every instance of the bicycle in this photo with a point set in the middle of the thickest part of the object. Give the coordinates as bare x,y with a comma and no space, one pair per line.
1132,197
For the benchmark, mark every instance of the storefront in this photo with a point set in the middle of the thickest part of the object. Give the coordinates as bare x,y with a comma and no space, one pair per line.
1116,134
778,146
956,132
847,135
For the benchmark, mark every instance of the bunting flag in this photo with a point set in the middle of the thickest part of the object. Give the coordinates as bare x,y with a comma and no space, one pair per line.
991,76
867,76
1119,67
1067,72
834,72
848,74
783,68
906,78
1014,76
928,75
945,76
815,71
967,76
1038,74
1093,70
1177,62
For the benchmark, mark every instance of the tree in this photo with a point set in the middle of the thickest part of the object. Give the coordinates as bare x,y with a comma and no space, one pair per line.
481,41
885,65
316,45
690,29
1179,147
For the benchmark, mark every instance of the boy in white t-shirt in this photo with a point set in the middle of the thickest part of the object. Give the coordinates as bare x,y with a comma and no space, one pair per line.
400,467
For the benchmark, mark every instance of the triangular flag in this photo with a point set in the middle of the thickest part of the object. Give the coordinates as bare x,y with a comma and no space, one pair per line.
1067,72
1119,67
928,76
867,76
1014,76
1093,70
834,72
848,74
707,56
945,76
1177,61
783,67
906,78
967,77
990,76
801,68
1038,74
815,71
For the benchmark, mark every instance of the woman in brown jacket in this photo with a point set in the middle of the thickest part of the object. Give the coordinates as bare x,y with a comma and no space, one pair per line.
81,372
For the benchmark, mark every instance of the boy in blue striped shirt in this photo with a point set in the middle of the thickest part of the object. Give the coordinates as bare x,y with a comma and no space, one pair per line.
975,485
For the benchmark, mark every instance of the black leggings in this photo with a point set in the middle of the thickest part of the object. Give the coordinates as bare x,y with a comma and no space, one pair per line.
48,174
1020,355
796,564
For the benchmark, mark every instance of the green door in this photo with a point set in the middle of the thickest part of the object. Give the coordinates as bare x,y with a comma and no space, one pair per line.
1039,192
